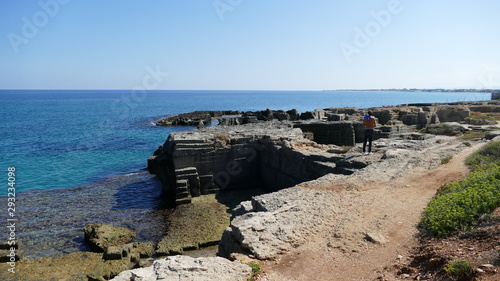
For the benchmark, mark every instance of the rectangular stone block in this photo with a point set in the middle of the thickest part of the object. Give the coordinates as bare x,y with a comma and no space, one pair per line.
206,184
182,201
113,253
190,174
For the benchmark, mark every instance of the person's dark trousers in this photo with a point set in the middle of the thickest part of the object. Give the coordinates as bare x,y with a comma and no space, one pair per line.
369,139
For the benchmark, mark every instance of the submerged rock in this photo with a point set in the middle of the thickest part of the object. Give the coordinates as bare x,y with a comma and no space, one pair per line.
100,236
193,226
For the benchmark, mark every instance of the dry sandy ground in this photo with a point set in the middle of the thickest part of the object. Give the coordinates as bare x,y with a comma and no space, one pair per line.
383,202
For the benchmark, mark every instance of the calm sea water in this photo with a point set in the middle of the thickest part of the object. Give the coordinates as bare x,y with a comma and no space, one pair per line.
78,155
64,138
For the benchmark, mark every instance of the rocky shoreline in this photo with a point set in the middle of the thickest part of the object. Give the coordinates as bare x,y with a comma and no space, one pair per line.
289,157
258,148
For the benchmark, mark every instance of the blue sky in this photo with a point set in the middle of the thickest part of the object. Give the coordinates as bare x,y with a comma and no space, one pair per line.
249,44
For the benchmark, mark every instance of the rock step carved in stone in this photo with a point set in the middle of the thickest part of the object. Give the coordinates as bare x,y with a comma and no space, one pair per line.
182,194
180,140
191,175
195,146
207,184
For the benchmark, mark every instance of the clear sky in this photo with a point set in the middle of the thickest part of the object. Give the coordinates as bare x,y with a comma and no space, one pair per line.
249,44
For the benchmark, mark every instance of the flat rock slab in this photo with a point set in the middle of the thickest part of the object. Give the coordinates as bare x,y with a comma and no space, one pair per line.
376,238
176,268
277,222
100,236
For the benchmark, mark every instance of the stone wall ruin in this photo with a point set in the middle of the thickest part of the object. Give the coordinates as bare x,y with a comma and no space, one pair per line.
254,149
219,158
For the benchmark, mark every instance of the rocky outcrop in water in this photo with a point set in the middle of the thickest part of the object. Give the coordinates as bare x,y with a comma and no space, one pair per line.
101,236
194,226
195,118
227,117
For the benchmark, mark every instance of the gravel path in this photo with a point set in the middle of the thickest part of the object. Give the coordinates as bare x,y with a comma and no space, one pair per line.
351,227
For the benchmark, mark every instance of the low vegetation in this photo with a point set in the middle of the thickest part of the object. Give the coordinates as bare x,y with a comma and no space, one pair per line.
459,205
489,154
223,138
256,270
443,129
469,135
447,159
458,269
194,225
478,118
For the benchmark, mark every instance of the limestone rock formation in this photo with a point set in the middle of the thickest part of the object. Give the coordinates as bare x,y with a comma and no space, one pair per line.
100,236
492,135
187,268
453,114
187,119
250,150
194,118
376,238
259,231
448,129
131,251
231,157
341,133
228,117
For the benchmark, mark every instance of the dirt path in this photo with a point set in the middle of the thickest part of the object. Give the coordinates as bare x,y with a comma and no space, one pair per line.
376,227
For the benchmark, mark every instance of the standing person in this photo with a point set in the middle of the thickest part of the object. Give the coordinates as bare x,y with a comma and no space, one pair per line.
370,123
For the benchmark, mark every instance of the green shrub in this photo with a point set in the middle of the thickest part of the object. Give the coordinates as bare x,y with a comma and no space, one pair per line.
256,269
473,135
458,268
460,204
488,154
447,159
478,118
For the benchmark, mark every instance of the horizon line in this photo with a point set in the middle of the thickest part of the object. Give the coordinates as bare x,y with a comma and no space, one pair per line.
255,90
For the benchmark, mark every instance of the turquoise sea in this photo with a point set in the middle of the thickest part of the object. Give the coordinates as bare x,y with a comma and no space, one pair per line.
64,138
79,154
